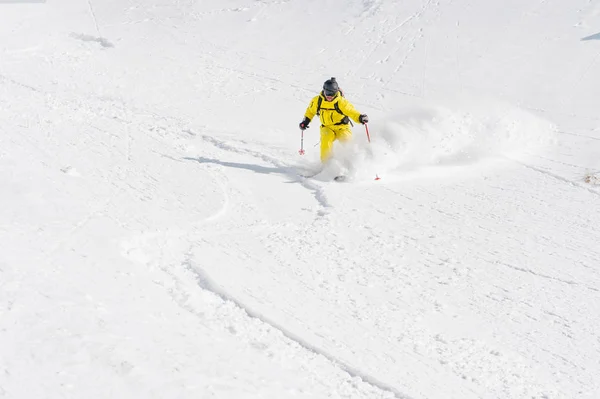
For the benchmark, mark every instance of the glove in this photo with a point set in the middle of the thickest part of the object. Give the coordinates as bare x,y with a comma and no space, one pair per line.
363,118
304,123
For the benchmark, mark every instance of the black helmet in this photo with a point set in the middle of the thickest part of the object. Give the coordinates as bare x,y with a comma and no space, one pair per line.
330,87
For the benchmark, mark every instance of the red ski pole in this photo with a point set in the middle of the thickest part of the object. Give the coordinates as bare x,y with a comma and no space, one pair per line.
301,151
369,138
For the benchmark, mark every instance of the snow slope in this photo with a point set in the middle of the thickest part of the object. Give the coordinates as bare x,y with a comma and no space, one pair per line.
158,241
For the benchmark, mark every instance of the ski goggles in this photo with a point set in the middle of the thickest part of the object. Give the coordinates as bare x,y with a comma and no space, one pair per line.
329,93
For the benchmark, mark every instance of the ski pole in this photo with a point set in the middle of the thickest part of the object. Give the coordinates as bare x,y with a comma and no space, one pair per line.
301,151
369,139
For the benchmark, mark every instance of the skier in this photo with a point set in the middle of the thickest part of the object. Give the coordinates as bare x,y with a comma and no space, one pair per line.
335,113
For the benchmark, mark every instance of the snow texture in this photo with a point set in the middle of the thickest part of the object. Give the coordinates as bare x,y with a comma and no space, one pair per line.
158,240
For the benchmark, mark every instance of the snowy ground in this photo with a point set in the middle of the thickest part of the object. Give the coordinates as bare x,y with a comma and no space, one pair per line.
158,241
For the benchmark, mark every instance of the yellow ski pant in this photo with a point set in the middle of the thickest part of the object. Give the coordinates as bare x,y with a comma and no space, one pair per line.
331,133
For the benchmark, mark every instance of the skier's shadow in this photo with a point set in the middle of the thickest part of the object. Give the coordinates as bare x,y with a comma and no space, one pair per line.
287,171
592,37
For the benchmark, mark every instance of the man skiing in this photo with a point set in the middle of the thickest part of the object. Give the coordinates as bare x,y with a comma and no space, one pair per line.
335,113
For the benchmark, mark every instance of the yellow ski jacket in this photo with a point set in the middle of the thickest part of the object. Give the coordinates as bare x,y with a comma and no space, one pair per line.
335,112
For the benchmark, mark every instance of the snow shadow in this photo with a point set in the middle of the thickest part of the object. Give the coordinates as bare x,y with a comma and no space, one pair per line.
592,37
89,38
247,166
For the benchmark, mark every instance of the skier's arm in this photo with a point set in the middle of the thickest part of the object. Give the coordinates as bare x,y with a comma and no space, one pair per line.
311,111
348,109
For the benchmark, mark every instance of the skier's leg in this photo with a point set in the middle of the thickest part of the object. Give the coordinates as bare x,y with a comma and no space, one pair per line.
327,138
343,133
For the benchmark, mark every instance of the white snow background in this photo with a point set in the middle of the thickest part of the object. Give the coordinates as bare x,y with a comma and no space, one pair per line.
157,239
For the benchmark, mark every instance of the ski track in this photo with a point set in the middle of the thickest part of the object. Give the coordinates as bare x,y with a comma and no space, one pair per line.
93,15
555,176
225,204
317,190
205,282
191,273
567,282
20,84
416,36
